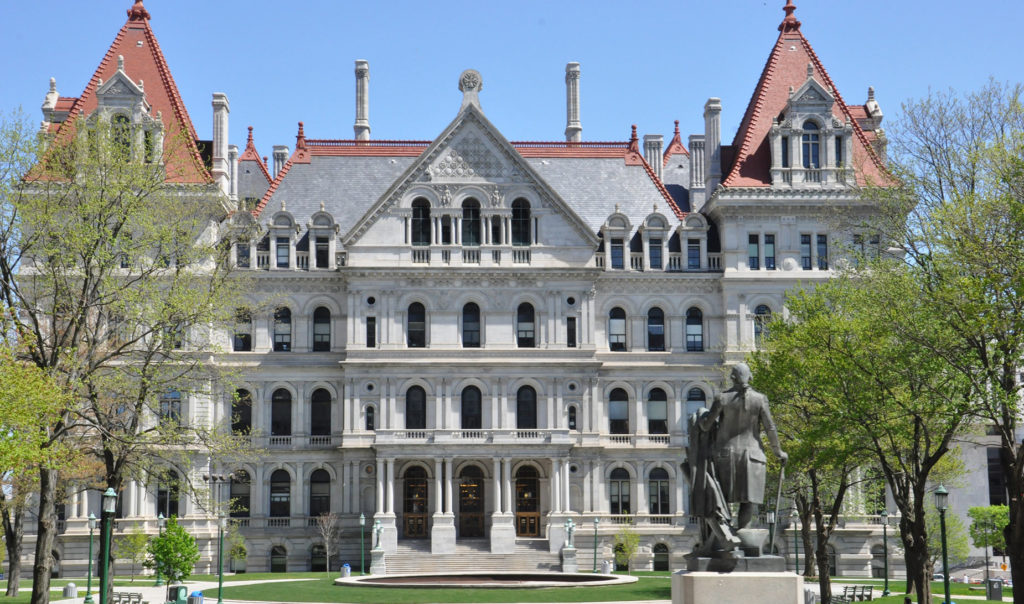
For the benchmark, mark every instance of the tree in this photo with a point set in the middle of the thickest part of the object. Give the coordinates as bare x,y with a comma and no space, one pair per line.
327,528
957,547
117,287
133,545
987,526
958,219
235,543
174,552
626,543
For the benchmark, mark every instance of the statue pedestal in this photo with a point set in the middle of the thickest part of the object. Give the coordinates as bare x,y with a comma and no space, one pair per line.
569,563
764,564
377,566
503,534
442,534
736,588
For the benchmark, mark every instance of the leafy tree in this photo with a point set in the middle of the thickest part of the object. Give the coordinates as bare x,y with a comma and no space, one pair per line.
234,541
626,543
174,552
133,545
987,526
957,547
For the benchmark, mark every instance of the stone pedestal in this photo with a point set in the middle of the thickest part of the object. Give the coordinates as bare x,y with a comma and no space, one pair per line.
503,534
442,534
569,563
764,564
736,588
556,533
377,565
389,533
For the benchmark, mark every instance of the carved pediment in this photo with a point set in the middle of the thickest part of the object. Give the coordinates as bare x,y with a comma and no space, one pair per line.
470,158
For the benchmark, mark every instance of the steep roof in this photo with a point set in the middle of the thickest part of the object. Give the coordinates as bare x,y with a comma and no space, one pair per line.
675,147
144,61
787,67
253,176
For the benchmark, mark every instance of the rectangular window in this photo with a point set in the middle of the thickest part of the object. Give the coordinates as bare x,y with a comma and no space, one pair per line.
754,252
618,254
446,230
769,252
323,252
693,254
618,416
805,251
242,254
839,152
996,480
657,417
655,249
243,331
570,332
496,230
823,252
785,151
371,332
283,255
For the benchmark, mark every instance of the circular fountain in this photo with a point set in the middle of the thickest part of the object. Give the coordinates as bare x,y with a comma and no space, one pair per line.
488,579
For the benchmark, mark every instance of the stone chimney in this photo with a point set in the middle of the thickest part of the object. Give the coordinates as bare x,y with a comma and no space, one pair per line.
221,170
573,130
697,168
233,167
712,143
654,152
280,157
362,125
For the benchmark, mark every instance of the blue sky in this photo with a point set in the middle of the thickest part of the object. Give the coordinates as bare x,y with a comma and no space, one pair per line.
647,63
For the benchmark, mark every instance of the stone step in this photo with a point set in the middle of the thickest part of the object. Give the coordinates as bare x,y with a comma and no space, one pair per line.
413,556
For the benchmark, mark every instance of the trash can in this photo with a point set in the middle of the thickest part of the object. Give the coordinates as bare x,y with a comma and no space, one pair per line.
196,598
994,589
70,591
606,567
346,570
177,594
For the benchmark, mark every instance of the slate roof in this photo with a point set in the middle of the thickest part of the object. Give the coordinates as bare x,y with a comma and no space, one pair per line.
253,177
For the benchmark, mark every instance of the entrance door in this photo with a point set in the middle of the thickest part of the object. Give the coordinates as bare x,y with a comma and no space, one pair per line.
527,502
471,502
414,508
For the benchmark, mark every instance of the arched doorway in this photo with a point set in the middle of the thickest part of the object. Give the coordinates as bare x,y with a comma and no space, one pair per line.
414,508
660,556
318,558
527,502
471,502
278,559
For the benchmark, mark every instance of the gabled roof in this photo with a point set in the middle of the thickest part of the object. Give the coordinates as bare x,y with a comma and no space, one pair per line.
250,154
787,67
144,61
675,147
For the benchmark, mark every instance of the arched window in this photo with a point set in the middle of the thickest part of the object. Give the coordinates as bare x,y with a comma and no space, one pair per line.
320,413
168,493
321,329
282,329
655,330
241,490
420,222
762,316
416,330
618,412
471,326
657,412
278,559
471,415
811,146
520,222
695,399
572,418
371,420
281,413
471,222
660,552
241,412
617,329
525,326
121,130
280,494
242,339
415,409
694,330
618,485
657,490
526,408
319,493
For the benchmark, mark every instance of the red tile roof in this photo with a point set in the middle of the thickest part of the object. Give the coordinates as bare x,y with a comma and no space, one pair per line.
787,67
250,154
144,61
675,146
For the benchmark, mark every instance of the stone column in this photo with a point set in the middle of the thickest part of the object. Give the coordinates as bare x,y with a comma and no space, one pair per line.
509,509
442,532
503,530
391,487
555,501
380,486
448,509
438,500
497,485
566,499
346,477
357,492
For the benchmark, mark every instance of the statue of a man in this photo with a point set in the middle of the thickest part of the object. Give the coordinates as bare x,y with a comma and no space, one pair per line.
737,417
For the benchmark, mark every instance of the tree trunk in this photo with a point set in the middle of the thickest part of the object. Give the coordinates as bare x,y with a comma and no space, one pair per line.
1014,533
804,510
824,576
45,536
915,555
13,534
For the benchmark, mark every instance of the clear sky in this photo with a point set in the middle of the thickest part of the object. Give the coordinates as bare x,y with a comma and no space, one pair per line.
644,63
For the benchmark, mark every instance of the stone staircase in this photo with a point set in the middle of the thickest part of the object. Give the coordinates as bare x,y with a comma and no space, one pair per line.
413,556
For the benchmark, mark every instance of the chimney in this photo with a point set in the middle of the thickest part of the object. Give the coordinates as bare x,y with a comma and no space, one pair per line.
221,170
362,125
653,152
233,167
697,167
712,143
280,156
573,130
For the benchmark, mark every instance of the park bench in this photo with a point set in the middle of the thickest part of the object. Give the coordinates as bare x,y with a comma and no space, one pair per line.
126,598
858,593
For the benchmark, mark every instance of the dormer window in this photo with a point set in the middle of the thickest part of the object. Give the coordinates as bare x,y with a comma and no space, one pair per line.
811,149
121,130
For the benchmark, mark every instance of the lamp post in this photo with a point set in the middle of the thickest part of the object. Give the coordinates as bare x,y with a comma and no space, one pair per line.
88,582
362,548
222,522
770,517
796,541
941,501
160,523
885,549
109,507
597,521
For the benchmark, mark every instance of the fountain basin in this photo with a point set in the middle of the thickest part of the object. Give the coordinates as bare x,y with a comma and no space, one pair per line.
488,579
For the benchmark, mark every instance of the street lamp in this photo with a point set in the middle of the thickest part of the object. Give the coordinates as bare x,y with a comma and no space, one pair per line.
222,523
160,523
941,503
109,507
597,521
770,517
362,548
796,541
885,548
88,583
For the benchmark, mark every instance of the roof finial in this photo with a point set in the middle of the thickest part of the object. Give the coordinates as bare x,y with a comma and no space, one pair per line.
810,69
677,128
249,142
264,160
138,12
120,62
789,23
300,139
